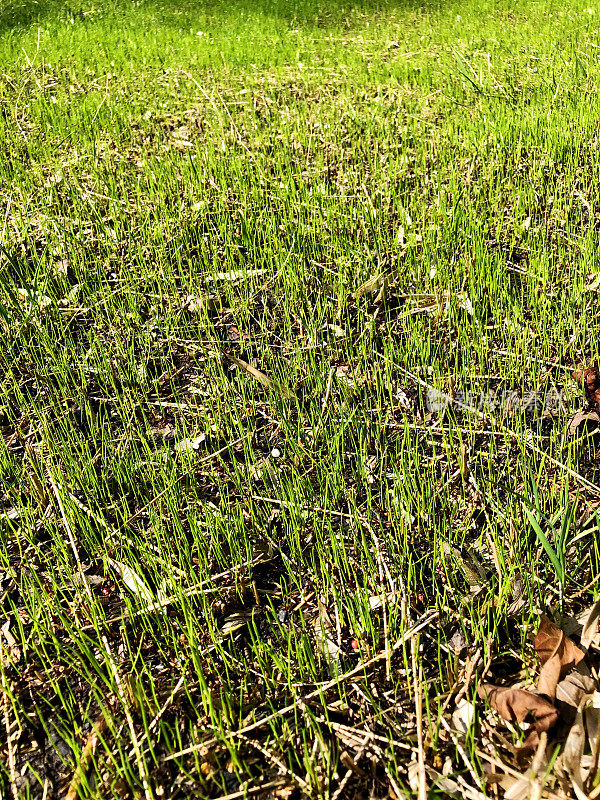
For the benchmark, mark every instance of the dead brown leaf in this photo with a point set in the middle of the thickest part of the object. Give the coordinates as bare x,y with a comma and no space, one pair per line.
516,705
577,684
583,422
589,380
573,753
557,654
590,626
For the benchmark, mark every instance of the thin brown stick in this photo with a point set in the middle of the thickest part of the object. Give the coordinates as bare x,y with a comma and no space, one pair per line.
159,713
349,772
141,764
70,536
248,790
12,770
313,509
304,785
462,752
325,400
418,691
98,728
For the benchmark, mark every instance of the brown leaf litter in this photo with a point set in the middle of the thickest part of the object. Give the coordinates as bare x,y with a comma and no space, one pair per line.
587,420
567,693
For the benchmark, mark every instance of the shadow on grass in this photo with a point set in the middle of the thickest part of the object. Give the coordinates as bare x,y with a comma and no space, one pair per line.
25,13
19,14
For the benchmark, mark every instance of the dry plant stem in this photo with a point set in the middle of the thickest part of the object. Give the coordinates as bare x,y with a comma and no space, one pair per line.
349,772
537,767
461,750
87,754
393,783
56,493
465,678
12,773
312,509
141,764
346,731
247,791
35,477
423,622
418,692
325,400
469,669
306,787
159,713
234,127
382,567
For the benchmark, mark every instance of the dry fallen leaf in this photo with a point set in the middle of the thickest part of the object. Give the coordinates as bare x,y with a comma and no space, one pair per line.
577,684
235,622
11,648
592,722
573,752
557,654
589,380
463,716
372,286
260,376
590,626
325,639
527,786
132,580
583,422
515,705
594,283
190,445
339,332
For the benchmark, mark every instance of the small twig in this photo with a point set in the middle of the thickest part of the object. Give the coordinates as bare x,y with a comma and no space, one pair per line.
380,567
461,750
286,504
352,734
234,127
160,713
281,766
70,536
12,769
141,764
248,790
325,400
350,772
5,219
418,690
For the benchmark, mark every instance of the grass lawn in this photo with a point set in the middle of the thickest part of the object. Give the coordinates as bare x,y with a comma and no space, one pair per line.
246,550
